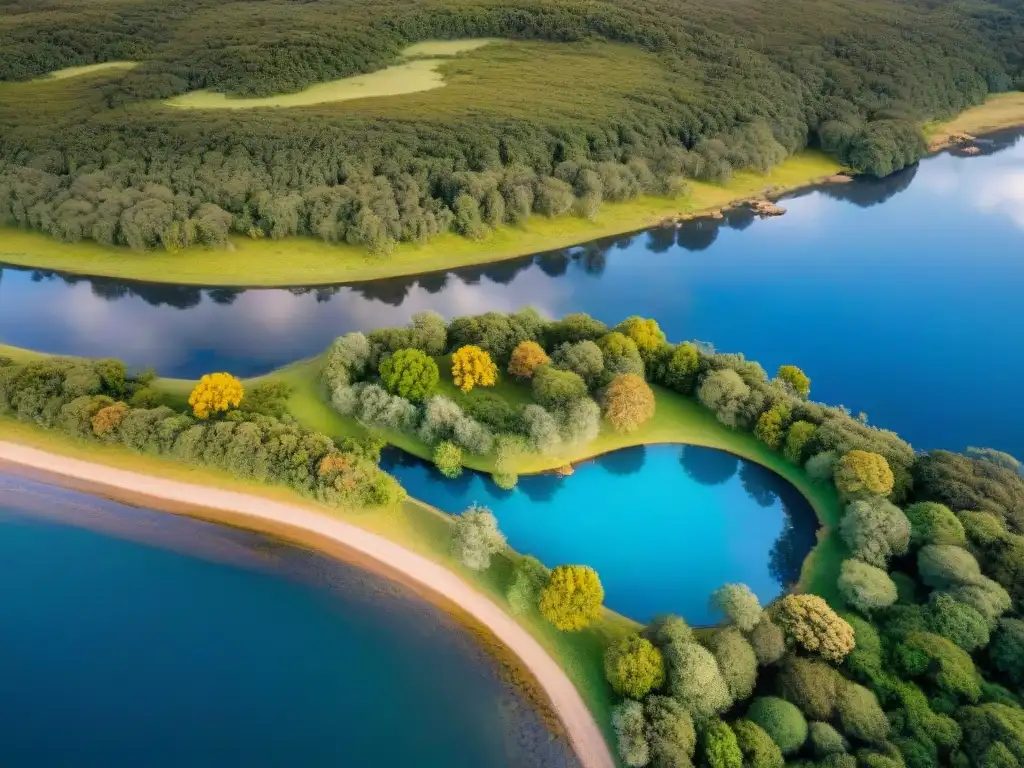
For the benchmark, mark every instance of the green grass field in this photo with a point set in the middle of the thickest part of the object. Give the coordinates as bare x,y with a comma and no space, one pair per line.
306,261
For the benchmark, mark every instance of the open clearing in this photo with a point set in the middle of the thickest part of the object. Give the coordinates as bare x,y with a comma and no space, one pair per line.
88,69
420,74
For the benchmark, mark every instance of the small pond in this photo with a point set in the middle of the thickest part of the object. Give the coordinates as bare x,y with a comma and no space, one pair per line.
135,638
663,525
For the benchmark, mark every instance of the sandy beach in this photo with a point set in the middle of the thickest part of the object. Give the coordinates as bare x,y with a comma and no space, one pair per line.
292,521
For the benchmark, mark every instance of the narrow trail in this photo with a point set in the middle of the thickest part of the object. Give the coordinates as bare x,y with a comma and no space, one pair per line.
582,730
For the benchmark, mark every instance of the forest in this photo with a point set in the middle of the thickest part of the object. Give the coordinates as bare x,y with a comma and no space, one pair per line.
521,132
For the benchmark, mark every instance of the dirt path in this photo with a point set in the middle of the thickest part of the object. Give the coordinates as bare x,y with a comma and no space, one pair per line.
579,724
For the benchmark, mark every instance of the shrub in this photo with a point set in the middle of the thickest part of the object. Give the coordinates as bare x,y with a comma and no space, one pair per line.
528,578
771,426
932,523
825,740
634,667
810,622
409,373
736,661
942,566
477,538
670,732
494,412
987,597
557,389
571,600
526,358
725,393
668,631
1007,650
860,714
945,664
860,473
373,406
811,685
584,358
721,750
759,751
875,530
580,422
448,459
866,587
542,429
444,420
346,360
576,326
865,660
621,355
739,604
645,333
794,379
472,367
798,435
782,721
107,419
215,393
768,641
821,466
628,403
957,622
630,734
695,681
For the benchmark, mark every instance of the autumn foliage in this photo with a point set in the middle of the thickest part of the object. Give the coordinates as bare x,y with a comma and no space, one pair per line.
472,367
863,472
572,598
628,402
107,419
809,621
215,393
527,357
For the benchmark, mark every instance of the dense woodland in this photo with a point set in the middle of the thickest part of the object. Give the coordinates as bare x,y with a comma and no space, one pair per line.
695,96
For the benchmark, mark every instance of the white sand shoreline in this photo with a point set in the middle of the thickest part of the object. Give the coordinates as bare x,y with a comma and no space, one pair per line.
265,515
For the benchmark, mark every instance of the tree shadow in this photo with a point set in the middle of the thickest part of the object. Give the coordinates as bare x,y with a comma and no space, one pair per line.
626,461
708,466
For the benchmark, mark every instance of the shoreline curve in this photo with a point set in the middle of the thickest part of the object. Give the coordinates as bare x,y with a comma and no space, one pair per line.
306,527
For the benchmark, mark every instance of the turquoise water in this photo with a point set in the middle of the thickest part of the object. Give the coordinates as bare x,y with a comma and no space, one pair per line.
663,526
134,638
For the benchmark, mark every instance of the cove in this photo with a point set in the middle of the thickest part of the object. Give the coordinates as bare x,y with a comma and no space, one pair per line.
900,297
133,637
663,525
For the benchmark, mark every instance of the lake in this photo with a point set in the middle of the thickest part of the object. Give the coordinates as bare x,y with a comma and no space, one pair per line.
663,525
133,637
900,297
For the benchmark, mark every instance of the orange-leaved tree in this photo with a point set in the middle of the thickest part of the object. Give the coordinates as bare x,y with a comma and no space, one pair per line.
473,367
628,402
527,357
215,393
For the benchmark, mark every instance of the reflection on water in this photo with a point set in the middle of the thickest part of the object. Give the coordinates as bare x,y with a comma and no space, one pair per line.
865,285
660,538
131,633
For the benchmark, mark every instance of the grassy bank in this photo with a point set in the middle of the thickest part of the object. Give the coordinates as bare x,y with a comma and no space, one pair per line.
1001,111
412,524
307,261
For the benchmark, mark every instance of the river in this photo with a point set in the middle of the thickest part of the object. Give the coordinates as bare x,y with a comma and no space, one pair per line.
134,637
901,298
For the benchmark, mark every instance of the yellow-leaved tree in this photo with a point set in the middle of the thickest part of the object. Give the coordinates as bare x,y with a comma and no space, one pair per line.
472,367
215,393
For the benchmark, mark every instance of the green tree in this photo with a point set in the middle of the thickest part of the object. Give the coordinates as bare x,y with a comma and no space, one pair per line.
860,714
758,748
621,355
584,358
782,721
809,621
721,750
554,388
477,538
645,333
528,579
797,436
739,605
725,393
795,379
634,667
861,473
932,523
943,567
695,681
768,641
572,598
670,731
957,622
771,425
937,659
736,661
811,685
1007,650
630,733
825,740
448,459
409,373
866,587
875,530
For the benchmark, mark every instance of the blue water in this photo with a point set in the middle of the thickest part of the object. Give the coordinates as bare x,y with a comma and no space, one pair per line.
664,526
900,298
134,638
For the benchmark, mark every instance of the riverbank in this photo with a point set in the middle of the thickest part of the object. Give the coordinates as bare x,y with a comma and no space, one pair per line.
308,261
999,112
302,525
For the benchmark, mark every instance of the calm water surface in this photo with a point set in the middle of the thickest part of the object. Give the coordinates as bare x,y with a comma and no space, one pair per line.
901,298
130,637
664,526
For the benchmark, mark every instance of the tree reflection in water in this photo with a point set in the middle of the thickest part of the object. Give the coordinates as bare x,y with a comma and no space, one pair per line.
708,466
